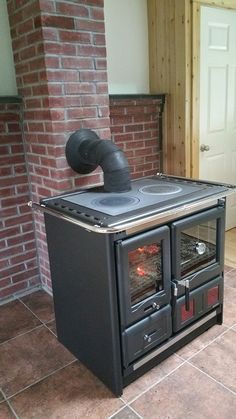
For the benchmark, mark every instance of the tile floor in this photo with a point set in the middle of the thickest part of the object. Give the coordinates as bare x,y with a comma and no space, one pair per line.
40,379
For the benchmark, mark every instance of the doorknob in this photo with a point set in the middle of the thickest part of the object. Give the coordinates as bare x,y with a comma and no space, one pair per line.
204,147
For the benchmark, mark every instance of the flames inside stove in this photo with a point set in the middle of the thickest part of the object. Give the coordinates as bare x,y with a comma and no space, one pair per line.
160,189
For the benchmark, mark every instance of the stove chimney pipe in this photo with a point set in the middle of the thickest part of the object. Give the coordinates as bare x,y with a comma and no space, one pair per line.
85,151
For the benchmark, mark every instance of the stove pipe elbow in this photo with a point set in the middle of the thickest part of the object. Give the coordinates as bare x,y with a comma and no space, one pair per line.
85,151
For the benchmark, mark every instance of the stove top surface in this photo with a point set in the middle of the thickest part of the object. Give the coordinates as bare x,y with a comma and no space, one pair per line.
149,196
145,192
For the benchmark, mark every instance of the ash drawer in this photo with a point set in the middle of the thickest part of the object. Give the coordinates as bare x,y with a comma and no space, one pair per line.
146,334
201,300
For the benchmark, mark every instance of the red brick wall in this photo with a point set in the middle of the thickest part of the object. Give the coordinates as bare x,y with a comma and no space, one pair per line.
18,262
135,128
60,60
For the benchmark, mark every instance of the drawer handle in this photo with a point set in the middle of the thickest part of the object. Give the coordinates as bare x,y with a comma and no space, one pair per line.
147,338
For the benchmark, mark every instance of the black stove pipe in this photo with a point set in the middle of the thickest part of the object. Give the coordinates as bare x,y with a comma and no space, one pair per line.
85,151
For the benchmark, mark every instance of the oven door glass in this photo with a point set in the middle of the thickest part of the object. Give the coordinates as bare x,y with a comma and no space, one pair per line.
143,264
198,247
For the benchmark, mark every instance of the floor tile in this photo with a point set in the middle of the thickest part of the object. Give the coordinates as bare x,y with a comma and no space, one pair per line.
229,315
41,304
219,358
72,392
5,412
187,393
230,278
15,319
29,358
125,413
227,268
201,341
52,326
1,397
151,377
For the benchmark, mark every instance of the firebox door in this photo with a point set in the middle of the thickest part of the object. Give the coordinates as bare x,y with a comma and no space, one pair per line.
143,271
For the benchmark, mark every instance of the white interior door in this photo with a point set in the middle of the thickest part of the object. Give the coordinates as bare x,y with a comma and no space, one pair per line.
218,100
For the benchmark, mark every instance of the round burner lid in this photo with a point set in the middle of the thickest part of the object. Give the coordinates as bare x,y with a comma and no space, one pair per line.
160,189
115,201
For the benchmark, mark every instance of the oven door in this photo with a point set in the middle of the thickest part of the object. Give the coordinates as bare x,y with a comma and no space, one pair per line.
143,270
197,249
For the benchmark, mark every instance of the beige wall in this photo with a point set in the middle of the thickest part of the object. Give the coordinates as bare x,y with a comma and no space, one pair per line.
7,70
127,46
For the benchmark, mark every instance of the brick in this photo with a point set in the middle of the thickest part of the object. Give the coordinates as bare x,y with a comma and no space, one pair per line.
80,88
91,51
77,113
97,13
90,25
72,9
27,53
52,62
24,275
7,202
8,291
11,159
60,75
19,42
93,76
8,212
99,39
50,34
5,171
47,6
77,63
54,21
34,37
36,64
56,48
100,100
79,37
31,78
100,63
101,88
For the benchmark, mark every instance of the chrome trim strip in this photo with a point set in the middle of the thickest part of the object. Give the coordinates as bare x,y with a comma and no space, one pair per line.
148,219
42,208
174,340
207,182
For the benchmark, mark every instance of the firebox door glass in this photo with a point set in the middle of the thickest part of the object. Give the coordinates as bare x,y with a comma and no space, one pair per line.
145,272
198,247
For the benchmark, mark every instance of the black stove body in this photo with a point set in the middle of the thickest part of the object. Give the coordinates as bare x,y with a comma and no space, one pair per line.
136,275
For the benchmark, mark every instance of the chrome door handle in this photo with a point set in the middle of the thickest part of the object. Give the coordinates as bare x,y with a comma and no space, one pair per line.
204,147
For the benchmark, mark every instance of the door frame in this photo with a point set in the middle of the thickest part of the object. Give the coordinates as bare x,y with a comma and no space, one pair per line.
195,110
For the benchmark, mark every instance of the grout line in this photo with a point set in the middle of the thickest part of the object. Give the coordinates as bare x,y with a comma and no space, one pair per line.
154,384
35,314
40,379
204,347
54,334
9,404
212,378
139,416
13,410
22,334
117,411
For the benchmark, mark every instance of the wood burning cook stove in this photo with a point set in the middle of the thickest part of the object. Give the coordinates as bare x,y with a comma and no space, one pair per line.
136,274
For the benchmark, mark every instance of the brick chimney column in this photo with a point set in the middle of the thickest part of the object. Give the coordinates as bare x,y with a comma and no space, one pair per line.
60,60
